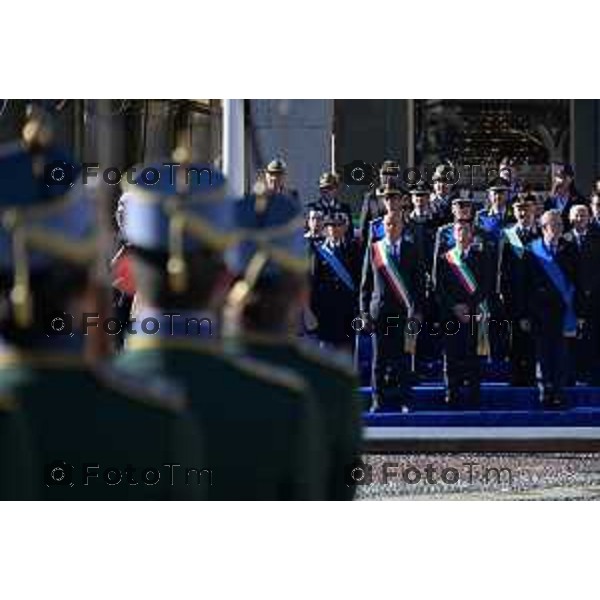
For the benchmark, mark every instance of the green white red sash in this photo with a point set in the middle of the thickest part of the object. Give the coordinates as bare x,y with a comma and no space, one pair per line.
464,274
384,261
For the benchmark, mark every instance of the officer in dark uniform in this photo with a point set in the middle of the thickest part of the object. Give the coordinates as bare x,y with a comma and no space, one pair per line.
550,275
259,421
261,312
512,287
564,193
493,220
328,202
392,292
98,433
423,224
586,248
372,206
275,179
442,196
463,289
335,278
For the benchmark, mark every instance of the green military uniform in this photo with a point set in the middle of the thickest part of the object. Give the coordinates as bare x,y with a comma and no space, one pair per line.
260,424
271,264
334,383
17,477
106,418
74,416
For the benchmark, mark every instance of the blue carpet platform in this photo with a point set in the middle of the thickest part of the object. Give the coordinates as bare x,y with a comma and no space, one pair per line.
507,418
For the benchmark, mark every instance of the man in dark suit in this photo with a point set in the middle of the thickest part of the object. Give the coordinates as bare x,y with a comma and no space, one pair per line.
595,210
550,276
334,277
586,248
511,287
564,193
392,292
463,289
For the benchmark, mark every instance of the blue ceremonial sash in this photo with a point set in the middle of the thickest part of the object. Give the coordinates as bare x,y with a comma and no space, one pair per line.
339,269
564,287
514,240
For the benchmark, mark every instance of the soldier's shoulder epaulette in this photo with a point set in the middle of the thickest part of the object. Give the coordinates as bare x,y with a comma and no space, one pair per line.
331,359
7,403
156,392
269,373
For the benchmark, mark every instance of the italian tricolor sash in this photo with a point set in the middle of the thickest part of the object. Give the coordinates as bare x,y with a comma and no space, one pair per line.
464,274
514,240
383,260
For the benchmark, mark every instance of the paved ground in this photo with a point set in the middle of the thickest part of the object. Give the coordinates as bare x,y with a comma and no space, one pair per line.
482,477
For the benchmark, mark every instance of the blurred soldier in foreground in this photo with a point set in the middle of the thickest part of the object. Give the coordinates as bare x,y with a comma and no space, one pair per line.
512,287
463,288
392,292
261,316
334,277
85,421
257,420
372,206
550,294
585,245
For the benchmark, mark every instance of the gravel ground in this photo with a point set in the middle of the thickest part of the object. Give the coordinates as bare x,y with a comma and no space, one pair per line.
482,477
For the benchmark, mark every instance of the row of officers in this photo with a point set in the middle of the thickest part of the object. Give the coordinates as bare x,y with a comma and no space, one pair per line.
433,275
211,396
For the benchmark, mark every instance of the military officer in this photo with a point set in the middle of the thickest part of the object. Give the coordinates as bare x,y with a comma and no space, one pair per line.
499,214
259,421
564,193
392,293
442,196
335,276
98,433
550,275
463,289
328,202
511,288
276,180
372,207
261,314
585,244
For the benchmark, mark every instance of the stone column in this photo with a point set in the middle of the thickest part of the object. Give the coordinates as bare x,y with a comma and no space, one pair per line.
299,132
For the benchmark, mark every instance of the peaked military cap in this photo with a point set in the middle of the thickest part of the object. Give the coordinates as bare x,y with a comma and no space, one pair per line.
390,167
441,173
46,213
177,209
277,165
499,184
336,218
269,243
391,188
328,180
420,189
462,201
